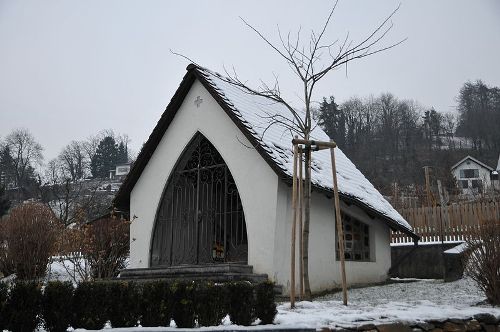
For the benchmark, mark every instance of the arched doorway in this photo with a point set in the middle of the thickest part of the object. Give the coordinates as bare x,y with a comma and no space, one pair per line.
200,219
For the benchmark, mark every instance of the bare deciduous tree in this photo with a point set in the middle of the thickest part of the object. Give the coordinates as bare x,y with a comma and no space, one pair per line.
26,154
74,161
73,201
311,61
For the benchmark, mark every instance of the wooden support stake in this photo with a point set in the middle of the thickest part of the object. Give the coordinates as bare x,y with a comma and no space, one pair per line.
340,228
294,219
301,247
443,210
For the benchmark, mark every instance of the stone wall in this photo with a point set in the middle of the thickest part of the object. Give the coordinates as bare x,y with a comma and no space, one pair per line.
423,261
480,322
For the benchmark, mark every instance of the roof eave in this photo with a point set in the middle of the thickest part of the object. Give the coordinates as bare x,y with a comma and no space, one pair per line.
122,198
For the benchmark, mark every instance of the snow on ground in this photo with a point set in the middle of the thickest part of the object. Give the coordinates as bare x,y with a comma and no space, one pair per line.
408,302
418,300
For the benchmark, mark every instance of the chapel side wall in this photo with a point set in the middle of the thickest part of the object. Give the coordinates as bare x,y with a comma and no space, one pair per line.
257,183
324,270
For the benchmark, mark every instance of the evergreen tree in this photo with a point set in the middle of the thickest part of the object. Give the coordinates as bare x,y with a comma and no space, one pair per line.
332,120
105,158
122,154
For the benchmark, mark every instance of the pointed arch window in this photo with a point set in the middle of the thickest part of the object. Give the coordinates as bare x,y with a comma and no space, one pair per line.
200,219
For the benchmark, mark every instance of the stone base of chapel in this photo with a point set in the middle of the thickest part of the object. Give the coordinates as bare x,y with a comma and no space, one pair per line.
223,272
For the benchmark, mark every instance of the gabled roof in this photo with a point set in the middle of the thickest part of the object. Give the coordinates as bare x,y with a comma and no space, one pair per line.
474,160
251,114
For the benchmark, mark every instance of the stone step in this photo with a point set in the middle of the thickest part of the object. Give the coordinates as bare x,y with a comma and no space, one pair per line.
202,269
210,272
215,277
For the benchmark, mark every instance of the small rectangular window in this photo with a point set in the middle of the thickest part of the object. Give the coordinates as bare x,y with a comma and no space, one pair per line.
356,240
469,173
477,183
464,184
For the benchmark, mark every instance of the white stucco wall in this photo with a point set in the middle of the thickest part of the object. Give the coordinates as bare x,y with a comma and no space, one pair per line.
266,203
484,175
324,269
256,181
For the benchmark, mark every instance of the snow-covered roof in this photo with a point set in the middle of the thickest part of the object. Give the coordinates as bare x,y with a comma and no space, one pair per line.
252,114
474,160
255,113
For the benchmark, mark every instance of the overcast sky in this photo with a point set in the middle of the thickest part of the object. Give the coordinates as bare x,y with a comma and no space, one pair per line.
71,68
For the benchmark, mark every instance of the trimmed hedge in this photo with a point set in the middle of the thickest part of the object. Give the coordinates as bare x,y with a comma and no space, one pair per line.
265,306
23,307
183,312
211,305
89,305
3,301
154,303
155,308
57,306
241,303
123,307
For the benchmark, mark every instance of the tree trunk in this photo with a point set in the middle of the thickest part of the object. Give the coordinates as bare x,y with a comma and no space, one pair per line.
305,231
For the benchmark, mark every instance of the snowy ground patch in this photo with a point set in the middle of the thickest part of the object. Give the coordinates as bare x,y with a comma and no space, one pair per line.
404,302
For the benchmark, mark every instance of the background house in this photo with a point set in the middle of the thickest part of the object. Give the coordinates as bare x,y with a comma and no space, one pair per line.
120,171
473,176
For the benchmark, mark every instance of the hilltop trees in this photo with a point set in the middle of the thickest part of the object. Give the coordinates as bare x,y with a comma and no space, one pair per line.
108,154
4,202
20,154
479,114
389,139
72,160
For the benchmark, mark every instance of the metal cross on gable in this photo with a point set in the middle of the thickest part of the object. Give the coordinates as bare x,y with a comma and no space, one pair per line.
198,101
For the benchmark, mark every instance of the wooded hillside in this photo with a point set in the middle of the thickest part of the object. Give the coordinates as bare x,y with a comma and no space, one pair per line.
390,140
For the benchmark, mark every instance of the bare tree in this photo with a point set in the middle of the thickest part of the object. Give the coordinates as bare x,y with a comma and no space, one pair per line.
73,202
311,61
74,160
26,155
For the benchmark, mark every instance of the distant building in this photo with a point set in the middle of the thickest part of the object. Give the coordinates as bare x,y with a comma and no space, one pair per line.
119,172
475,177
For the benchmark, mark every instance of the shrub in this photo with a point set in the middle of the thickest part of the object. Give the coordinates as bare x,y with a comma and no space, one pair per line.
123,306
3,299
210,303
57,306
23,307
156,304
241,303
29,234
109,246
103,245
183,311
483,260
89,306
265,307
